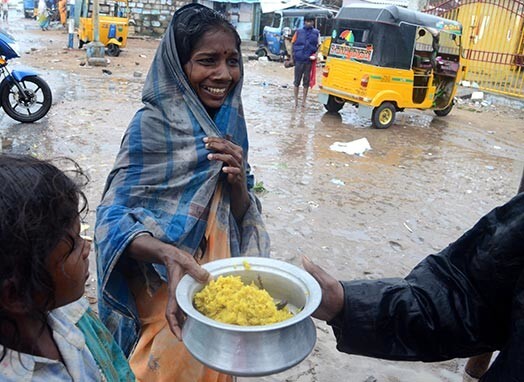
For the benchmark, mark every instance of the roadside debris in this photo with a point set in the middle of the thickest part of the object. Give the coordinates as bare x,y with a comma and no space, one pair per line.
357,147
259,188
338,182
476,96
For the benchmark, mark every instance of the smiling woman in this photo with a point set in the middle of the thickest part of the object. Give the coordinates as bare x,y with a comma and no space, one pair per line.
213,68
179,195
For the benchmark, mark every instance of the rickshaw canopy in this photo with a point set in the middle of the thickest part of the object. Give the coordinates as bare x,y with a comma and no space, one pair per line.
385,36
392,14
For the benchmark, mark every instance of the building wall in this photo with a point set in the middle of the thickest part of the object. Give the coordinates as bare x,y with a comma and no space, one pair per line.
152,17
241,15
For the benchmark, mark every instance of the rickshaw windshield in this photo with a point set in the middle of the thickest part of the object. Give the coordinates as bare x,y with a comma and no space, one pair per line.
275,22
292,22
375,43
449,43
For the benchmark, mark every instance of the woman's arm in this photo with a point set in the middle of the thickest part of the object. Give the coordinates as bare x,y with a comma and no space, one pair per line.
148,249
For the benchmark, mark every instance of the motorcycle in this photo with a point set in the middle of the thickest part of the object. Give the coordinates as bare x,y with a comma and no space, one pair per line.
24,96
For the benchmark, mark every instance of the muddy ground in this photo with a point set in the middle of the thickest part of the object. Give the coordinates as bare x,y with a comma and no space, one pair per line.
425,181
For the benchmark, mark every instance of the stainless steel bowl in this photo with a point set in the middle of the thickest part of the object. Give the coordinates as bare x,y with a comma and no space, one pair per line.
251,351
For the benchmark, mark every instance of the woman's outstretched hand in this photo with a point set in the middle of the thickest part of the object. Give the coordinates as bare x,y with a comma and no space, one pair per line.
178,263
148,249
233,157
332,291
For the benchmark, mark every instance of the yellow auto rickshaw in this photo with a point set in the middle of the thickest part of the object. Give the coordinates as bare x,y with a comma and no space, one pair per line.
384,59
113,29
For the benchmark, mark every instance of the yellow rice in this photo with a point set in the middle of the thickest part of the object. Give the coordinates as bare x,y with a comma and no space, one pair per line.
228,300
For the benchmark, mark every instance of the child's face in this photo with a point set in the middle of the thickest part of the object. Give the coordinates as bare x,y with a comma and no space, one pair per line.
69,266
213,68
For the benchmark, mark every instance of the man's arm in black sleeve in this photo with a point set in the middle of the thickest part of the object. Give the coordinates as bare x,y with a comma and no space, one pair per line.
456,303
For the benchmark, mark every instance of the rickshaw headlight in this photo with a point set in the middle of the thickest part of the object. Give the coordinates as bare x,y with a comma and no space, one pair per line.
364,81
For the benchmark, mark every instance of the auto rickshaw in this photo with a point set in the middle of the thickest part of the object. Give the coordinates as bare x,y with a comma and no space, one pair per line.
384,59
30,8
113,29
284,23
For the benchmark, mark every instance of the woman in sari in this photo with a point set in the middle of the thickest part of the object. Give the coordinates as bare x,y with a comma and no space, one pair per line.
179,194
43,15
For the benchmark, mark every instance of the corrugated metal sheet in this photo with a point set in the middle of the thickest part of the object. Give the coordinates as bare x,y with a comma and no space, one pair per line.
400,3
238,1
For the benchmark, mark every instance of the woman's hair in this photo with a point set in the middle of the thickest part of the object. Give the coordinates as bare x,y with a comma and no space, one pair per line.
38,206
192,23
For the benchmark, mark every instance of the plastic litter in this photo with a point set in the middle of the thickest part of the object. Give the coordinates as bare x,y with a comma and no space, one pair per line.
477,95
338,182
357,147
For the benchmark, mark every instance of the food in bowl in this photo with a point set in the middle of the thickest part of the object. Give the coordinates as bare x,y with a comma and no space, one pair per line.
228,300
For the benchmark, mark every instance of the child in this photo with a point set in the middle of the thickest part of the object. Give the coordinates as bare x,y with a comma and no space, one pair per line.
47,332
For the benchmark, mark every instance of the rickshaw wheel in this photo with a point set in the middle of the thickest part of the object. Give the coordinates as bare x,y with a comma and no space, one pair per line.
444,112
334,104
261,52
384,115
113,50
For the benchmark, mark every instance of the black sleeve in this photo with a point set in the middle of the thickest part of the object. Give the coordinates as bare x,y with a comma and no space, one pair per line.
456,303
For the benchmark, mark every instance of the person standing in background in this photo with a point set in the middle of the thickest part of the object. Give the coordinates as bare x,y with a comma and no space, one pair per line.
62,9
71,9
5,10
305,46
43,15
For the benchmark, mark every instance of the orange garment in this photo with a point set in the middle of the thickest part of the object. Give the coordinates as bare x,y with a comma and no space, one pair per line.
159,356
62,8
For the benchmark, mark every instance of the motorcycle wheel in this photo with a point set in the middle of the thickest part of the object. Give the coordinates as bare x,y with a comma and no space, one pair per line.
34,106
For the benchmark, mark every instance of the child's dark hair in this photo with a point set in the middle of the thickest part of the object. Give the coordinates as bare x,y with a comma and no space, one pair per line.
192,23
38,206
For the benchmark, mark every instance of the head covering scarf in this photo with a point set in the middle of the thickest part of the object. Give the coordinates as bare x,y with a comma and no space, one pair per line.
162,181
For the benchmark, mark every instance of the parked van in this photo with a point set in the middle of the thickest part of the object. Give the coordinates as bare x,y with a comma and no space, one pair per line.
283,25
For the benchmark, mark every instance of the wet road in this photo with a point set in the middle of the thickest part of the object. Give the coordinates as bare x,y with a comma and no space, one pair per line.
424,182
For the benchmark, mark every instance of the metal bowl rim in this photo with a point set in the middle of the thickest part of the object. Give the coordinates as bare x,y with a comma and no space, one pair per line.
312,301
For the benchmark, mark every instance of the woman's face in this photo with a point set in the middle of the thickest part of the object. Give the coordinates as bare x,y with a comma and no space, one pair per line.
213,68
69,266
